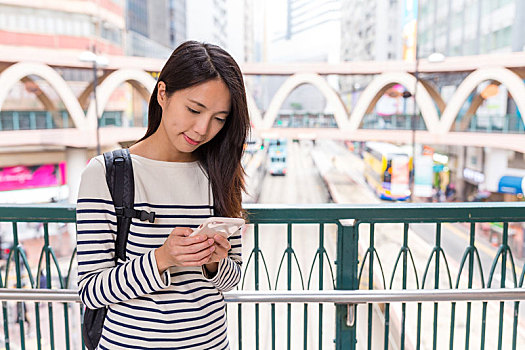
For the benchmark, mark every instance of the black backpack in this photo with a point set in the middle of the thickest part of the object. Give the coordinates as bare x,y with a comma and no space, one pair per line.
119,177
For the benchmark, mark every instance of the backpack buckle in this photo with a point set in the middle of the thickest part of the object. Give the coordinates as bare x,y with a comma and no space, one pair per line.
119,161
144,215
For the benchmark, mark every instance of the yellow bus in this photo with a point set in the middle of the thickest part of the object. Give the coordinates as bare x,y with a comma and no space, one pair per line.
387,170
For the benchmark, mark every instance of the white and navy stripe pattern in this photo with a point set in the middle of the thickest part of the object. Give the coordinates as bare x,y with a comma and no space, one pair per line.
180,309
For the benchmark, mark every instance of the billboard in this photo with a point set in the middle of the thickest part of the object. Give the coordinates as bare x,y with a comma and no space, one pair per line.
400,176
410,29
25,177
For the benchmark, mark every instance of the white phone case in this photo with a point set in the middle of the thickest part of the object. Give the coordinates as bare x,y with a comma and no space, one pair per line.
222,225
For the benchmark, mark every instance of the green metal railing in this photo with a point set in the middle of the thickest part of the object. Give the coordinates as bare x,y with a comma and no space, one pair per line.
38,120
304,249
33,120
393,122
47,263
509,123
305,120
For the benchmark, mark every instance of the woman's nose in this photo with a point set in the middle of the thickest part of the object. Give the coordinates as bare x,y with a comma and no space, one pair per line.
201,125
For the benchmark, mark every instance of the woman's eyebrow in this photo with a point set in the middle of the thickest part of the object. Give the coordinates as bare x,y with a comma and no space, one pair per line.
203,106
198,103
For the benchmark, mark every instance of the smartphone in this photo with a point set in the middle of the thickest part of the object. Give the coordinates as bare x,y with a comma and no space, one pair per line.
221,225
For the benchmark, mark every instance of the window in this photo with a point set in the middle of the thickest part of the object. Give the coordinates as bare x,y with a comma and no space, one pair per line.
50,25
78,28
11,22
22,22
68,26
503,37
85,29
59,23
41,25
32,26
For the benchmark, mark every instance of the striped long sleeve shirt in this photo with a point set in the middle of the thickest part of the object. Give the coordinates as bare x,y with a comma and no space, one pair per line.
180,309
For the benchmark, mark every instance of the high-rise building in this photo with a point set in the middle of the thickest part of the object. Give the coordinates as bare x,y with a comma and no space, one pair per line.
302,31
370,31
226,23
303,34
207,21
471,27
303,15
249,30
154,27
236,31
178,22
259,30
64,25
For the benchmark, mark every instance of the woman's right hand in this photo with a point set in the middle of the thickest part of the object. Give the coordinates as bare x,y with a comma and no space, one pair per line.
181,250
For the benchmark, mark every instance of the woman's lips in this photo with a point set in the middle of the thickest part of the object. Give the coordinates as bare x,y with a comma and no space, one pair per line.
191,141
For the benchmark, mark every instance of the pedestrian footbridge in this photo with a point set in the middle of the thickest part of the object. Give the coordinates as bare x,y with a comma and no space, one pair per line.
441,121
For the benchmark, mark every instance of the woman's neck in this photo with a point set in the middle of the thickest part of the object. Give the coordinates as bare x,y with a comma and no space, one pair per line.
154,147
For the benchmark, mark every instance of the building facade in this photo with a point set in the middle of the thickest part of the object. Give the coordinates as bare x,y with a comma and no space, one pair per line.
154,27
304,15
477,27
302,31
207,21
471,27
370,31
61,24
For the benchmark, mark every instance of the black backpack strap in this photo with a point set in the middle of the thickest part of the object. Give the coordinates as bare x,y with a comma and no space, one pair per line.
119,177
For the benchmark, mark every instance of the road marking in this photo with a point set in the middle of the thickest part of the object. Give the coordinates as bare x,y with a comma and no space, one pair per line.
481,246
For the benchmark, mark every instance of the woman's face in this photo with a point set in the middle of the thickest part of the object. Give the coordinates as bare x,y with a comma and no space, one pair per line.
192,116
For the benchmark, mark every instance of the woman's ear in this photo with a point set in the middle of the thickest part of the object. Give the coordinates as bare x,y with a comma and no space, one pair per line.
161,94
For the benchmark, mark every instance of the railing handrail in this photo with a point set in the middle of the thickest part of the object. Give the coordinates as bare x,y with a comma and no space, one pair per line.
277,213
303,296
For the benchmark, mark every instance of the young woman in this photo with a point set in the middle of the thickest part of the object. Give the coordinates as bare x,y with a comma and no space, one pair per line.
168,294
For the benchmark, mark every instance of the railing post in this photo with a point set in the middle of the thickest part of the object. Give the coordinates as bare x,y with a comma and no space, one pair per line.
49,120
16,121
65,120
346,280
32,120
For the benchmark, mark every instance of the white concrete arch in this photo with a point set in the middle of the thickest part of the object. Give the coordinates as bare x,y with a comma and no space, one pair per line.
438,100
112,82
374,90
340,114
511,80
15,73
85,97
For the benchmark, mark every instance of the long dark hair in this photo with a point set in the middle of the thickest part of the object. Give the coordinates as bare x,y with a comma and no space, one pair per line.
194,63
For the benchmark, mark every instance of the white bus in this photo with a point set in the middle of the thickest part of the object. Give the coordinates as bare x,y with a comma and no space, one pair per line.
277,164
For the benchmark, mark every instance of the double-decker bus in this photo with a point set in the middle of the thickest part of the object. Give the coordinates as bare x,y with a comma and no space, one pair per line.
277,163
387,170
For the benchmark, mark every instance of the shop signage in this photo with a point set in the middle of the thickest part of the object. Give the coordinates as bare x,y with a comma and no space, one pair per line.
473,176
24,177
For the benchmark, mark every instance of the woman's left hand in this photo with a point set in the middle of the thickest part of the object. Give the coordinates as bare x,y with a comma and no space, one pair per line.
222,247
